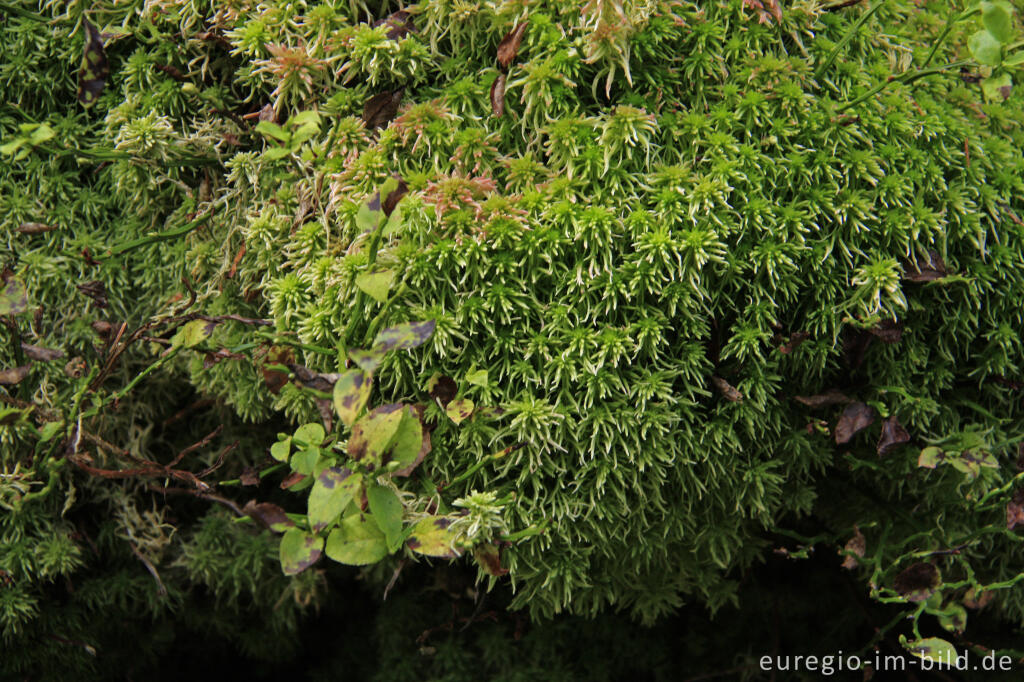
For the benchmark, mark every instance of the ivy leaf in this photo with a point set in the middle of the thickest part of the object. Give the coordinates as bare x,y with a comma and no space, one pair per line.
508,48
985,48
92,75
404,336
281,449
374,433
997,17
855,418
933,649
299,550
918,582
13,297
459,410
332,491
351,392
432,537
387,512
893,435
376,284
268,515
357,542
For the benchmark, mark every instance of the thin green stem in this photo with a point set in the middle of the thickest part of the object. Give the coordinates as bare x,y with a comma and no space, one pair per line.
820,69
904,78
945,33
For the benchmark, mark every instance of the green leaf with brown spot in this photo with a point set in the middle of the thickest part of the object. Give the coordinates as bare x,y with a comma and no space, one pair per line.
931,648
459,410
408,439
374,433
192,334
268,515
367,360
953,618
92,75
13,297
332,491
432,537
357,541
299,550
351,391
387,512
488,556
376,284
404,336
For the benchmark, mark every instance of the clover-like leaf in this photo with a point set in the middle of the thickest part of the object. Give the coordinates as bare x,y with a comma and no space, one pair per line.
310,434
357,541
387,512
332,491
299,550
281,449
374,433
997,18
432,537
13,297
351,392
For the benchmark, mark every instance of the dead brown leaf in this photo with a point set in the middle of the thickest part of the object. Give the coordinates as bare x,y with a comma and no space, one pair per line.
893,436
498,96
855,418
829,397
508,48
726,389
382,108
854,548
14,375
927,269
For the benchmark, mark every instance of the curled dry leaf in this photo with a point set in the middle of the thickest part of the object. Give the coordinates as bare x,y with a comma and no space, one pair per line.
96,290
509,46
442,388
917,582
35,228
249,477
498,96
382,108
975,601
399,25
893,435
1015,510
14,375
394,196
854,548
726,389
926,269
41,354
855,418
829,397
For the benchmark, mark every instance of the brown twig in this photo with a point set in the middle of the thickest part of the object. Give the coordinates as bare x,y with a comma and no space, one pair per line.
151,568
204,441
200,494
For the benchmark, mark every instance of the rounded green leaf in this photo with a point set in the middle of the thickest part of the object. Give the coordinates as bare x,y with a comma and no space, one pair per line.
997,17
304,461
408,439
281,449
997,88
985,48
351,391
373,434
332,491
310,434
299,550
387,511
933,649
357,542
459,410
376,284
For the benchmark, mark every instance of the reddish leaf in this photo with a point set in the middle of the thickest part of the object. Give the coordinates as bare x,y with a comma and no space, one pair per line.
394,196
275,379
399,25
829,397
14,375
291,479
498,95
41,354
268,515
855,418
381,109
917,582
893,435
926,270
1015,510
249,477
795,340
509,46
726,389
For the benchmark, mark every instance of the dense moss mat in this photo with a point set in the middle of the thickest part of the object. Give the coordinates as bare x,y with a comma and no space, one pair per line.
654,225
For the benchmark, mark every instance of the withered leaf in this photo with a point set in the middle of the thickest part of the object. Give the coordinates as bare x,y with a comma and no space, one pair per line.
855,418
794,341
726,389
888,331
268,515
829,397
35,228
292,479
96,290
314,380
442,388
275,379
973,600
508,48
1015,510
927,269
893,435
917,582
249,477
92,75
41,354
399,25
382,108
498,95
14,375
75,368
394,196
854,548
488,555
